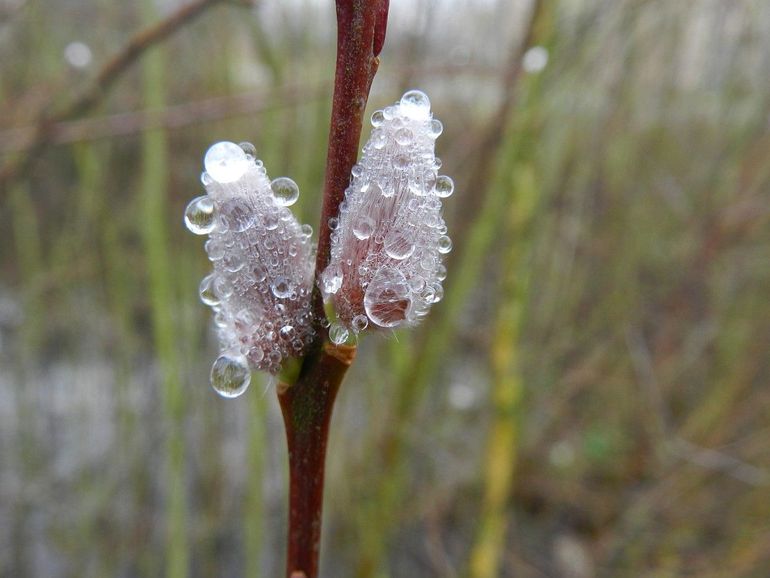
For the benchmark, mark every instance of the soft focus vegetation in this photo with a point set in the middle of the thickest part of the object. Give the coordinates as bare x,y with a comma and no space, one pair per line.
589,399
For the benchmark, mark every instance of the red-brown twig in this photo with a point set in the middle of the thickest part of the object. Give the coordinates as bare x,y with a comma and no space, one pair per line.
307,408
109,73
307,404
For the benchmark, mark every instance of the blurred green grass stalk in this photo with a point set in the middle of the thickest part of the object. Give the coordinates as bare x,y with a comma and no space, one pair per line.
154,216
502,443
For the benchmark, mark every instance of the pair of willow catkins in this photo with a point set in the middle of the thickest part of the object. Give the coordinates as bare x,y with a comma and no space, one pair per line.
387,244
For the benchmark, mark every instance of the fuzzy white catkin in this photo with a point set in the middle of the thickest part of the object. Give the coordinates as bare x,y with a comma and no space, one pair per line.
263,264
389,238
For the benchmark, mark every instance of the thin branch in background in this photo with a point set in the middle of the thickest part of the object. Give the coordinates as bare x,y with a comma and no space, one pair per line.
171,117
673,444
109,73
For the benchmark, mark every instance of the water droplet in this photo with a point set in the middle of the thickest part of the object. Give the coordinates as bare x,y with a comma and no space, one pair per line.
246,318
78,54
248,148
357,170
415,104
417,283
225,162
445,186
214,249
363,227
256,354
281,287
334,223
404,136
257,273
436,128
535,59
236,215
338,334
444,244
206,291
379,139
401,161
287,332
285,191
233,262
199,215
441,272
387,300
331,280
230,375
306,230
206,179
398,246
378,117
360,322
223,287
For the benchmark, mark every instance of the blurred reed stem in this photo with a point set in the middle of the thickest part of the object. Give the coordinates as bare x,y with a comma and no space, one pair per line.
29,251
502,443
154,216
255,511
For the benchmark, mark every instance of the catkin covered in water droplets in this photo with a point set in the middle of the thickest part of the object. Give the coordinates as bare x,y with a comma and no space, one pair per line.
262,257
386,263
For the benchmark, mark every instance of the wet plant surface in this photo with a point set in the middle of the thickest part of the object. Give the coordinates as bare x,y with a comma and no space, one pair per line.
588,398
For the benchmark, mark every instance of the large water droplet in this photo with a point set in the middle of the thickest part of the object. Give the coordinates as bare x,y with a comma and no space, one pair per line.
387,299
225,162
415,104
338,334
363,227
285,191
206,291
445,186
398,245
199,215
230,375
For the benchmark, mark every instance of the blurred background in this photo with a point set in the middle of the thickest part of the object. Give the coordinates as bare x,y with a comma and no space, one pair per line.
590,399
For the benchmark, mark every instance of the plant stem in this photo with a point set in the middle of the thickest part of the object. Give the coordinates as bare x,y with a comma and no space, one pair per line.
360,34
307,409
307,404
